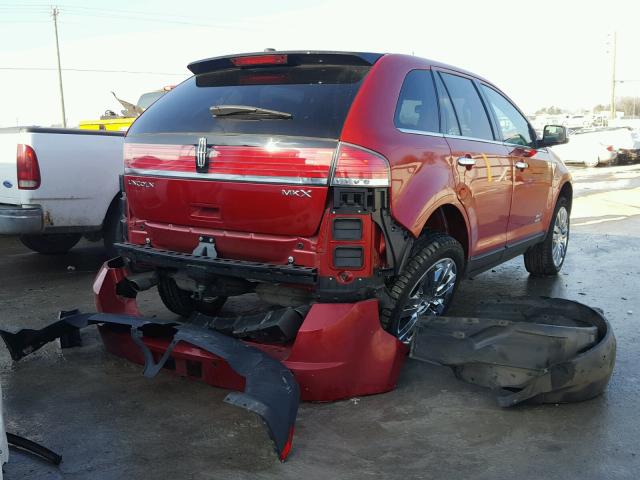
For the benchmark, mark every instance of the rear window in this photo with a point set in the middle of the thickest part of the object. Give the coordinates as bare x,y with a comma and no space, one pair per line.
317,97
417,108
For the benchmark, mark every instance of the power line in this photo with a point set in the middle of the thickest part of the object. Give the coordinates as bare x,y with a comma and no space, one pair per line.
91,70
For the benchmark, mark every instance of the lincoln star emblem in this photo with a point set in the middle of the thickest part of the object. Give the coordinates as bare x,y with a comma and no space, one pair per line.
202,159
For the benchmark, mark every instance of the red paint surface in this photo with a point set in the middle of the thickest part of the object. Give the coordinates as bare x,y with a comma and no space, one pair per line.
340,351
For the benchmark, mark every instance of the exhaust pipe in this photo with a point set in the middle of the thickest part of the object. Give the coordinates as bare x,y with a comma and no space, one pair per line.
143,281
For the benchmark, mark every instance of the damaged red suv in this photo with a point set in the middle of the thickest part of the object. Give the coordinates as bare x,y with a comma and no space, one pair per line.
335,177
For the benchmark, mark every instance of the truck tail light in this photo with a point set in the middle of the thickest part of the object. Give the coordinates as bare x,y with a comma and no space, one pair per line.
28,168
357,166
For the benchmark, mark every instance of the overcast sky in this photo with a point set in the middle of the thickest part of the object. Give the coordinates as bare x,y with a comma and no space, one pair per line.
554,54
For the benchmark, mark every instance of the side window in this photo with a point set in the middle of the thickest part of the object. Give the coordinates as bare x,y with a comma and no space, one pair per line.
513,126
448,121
417,108
470,111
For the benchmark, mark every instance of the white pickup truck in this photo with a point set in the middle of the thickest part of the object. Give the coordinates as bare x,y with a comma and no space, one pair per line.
58,185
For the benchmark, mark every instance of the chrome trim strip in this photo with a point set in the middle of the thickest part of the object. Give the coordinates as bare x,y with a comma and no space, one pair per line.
461,137
359,182
227,177
421,132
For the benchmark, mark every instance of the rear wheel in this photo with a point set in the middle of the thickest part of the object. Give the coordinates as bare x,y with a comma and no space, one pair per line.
181,301
51,243
547,258
425,286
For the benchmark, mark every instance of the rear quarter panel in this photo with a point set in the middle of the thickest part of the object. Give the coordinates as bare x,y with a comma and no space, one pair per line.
421,169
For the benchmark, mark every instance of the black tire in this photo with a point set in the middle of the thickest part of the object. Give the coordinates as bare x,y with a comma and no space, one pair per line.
112,228
538,260
180,301
428,251
51,243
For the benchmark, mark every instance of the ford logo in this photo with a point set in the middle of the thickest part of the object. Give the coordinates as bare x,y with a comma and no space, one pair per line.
7,184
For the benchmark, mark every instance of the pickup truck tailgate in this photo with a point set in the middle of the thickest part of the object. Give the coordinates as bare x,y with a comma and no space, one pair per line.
9,193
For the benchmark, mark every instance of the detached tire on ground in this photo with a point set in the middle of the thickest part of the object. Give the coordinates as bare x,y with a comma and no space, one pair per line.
51,243
547,258
180,301
425,286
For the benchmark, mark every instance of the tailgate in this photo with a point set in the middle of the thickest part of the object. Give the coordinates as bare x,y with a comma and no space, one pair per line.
246,144
9,192
268,188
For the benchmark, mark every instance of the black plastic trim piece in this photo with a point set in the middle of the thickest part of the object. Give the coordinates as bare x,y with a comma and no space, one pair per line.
347,228
207,266
348,257
482,263
271,390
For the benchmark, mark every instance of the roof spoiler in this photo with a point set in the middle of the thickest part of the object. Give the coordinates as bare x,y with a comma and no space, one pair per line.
283,58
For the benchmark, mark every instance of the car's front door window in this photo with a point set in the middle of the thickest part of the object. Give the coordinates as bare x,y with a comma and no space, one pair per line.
513,126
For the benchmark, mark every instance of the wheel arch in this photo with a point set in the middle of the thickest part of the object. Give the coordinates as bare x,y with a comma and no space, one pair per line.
566,190
449,219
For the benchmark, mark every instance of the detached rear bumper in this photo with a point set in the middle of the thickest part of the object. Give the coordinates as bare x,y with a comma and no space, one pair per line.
17,220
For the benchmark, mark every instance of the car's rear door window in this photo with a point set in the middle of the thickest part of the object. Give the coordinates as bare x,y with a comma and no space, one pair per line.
448,122
468,106
417,108
513,126
318,98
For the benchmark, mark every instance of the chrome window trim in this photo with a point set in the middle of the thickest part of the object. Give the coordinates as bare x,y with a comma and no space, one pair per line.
227,177
420,132
475,139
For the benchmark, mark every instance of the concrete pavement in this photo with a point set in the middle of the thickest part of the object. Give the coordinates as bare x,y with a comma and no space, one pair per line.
111,423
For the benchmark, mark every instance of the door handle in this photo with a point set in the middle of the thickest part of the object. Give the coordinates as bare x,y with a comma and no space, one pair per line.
466,162
521,165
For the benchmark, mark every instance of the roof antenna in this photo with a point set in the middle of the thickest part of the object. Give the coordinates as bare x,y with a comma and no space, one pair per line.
269,49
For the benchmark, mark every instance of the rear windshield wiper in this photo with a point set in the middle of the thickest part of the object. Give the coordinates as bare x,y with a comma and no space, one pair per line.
247,112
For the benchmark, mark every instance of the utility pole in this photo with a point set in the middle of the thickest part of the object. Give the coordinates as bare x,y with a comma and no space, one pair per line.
613,77
54,13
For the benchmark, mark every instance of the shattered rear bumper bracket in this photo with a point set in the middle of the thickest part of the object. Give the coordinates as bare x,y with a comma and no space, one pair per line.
271,390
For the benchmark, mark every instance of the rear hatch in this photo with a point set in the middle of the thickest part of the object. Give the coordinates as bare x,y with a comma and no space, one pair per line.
246,144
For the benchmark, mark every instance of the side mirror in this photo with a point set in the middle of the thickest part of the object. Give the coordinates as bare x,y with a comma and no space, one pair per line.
554,135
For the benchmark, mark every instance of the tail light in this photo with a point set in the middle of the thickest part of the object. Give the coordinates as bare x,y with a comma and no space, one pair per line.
610,148
357,166
259,60
28,168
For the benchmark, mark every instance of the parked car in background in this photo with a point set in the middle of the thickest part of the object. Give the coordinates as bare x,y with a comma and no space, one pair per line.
589,148
338,177
57,185
628,145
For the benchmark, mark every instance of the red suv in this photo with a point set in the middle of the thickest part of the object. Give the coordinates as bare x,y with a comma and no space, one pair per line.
336,177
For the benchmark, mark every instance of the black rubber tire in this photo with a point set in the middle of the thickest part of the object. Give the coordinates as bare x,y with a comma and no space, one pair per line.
51,243
426,251
180,302
112,228
538,260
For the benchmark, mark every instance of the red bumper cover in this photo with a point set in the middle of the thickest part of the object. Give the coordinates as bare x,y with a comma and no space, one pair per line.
340,351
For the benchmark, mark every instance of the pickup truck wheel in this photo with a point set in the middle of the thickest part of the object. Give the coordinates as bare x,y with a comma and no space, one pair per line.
51,243
425,286
547,257
181,303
